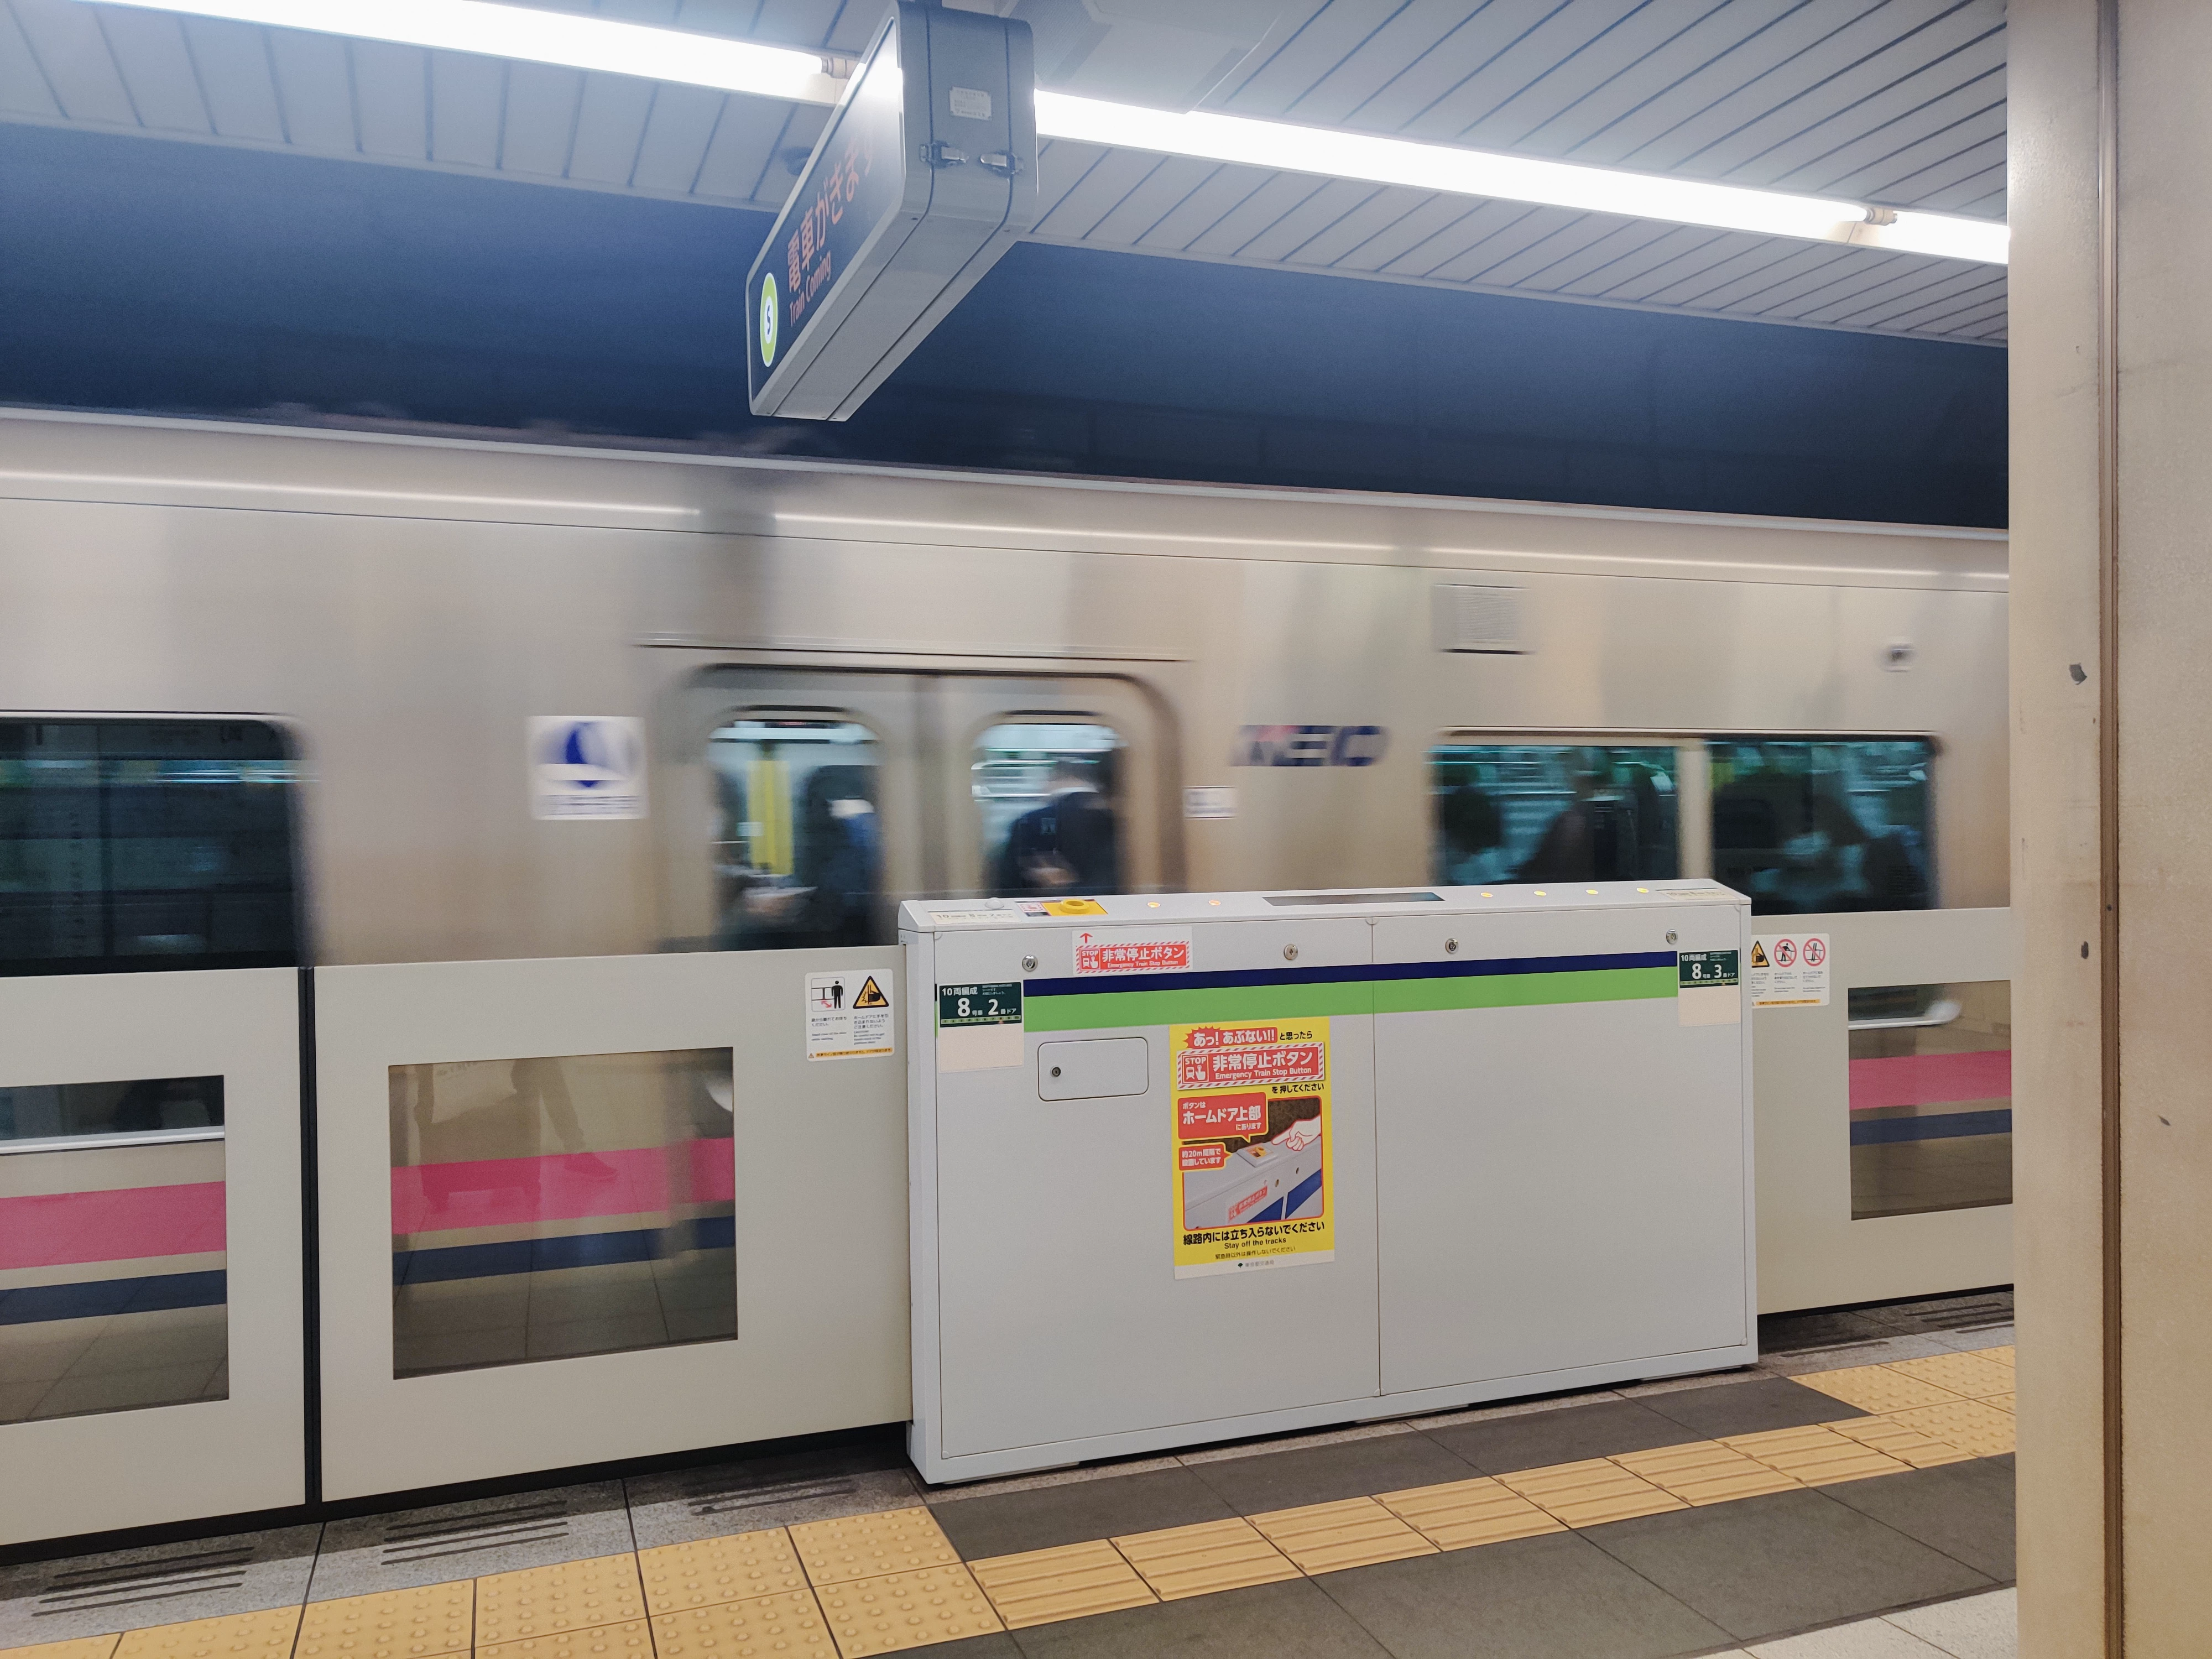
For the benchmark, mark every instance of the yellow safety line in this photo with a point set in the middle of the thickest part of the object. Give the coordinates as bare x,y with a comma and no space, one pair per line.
887,1582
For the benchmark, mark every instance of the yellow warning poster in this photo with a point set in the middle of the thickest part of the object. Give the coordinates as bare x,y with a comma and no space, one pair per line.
1251,1141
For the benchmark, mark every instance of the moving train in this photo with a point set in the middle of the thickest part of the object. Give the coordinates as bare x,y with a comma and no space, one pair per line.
286,709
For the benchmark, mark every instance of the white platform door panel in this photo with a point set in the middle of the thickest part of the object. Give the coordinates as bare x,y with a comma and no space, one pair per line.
151,1281
1563,1176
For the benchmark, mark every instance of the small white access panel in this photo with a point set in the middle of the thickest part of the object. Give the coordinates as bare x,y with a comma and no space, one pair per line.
1209,1165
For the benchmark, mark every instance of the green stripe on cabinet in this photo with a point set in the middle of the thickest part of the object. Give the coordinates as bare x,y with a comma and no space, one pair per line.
1099,1009
1422,996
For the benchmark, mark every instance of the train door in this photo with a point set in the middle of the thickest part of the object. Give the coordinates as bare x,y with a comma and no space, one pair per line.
830,795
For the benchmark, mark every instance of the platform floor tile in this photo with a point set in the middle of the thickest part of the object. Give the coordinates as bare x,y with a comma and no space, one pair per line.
902,1610
788,1622
1041,1587
549,1601
630,1639
84,1647
1875,1388
738,1568
1975,1428
1179,1562
2003,1402
1591,1492
1354,1532
233,1636
409,1624
1973,1374
871,1546
1705,1471
1922,1451
1465,1513
1816,1456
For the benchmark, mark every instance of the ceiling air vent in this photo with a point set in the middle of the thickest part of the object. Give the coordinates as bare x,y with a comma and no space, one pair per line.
1473,617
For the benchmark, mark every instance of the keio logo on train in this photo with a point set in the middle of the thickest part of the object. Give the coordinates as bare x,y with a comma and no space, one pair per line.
1309,745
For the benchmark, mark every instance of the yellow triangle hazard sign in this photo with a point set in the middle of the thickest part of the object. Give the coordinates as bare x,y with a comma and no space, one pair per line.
1758,958
871,996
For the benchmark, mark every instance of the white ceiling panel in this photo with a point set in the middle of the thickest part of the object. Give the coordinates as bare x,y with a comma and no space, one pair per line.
1895,102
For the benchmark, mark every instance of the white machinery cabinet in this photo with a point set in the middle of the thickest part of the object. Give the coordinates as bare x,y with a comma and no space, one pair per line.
1201,1166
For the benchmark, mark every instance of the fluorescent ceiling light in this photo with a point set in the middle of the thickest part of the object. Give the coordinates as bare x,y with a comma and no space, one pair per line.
1445,167
541,37
662,54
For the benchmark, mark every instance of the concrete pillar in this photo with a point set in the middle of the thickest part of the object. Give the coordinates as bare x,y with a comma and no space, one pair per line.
2112,690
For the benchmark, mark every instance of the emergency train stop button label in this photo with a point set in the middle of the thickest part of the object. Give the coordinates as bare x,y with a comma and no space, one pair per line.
979,1027
1709,988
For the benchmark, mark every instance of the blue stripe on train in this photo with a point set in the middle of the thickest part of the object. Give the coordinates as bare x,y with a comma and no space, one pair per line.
538,1255
35,1304
1934,1126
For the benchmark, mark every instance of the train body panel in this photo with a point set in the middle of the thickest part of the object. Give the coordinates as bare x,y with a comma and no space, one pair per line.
408,607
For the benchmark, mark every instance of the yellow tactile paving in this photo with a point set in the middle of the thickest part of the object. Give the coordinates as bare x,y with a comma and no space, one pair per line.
1974,1427
1906,1445
714,1570
1705,1471
1357,1532
630,1639
547,1601
2003,1356
1213,1555
409,1624
1876,1388
1591,1492
1041,1587
234,1636
2003,1402
84,1647
871,1546
906,1610
1814,1456
1465,1513
1973,1374
788,1623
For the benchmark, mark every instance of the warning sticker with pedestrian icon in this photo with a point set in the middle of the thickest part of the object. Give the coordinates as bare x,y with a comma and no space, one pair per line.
849,1015
1789,971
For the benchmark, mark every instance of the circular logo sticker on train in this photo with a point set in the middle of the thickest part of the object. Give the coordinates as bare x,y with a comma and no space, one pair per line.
767,321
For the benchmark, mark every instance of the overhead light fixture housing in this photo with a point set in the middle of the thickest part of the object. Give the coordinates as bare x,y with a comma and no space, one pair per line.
691,59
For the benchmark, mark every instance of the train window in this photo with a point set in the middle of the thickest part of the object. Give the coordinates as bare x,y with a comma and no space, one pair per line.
143,844
113,1273
551,1206
1931,1097
1806,825
1046,792
1549,811
799,854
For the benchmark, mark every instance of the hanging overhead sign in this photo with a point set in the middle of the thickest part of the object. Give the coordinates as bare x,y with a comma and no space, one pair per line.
925,175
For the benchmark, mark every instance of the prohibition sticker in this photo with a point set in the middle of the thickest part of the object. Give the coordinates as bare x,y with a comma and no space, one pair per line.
849,1015
1132,950
1789,971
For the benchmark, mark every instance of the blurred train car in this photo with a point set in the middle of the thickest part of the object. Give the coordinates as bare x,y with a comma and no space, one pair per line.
279,699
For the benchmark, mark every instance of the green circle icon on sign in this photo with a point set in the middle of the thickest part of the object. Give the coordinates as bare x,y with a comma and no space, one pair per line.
768,318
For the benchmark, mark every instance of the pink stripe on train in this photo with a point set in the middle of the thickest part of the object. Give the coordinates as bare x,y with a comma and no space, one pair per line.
56,1229
1930,1080
496,1192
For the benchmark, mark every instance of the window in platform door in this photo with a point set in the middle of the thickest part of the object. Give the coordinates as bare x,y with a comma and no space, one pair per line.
561,1204
1930,1097
112,1273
